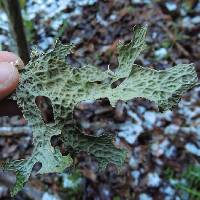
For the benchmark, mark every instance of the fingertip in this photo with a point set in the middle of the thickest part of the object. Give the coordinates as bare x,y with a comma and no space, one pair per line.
6,56
9,78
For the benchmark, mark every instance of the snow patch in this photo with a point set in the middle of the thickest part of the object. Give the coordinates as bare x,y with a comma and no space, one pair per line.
153,180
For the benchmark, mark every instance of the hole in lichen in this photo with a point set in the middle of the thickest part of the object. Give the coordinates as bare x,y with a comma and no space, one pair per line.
36,167
56,141
117,83
45,106
94,118
72,61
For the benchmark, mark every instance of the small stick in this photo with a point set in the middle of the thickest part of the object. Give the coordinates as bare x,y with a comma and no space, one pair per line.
178,45
13,12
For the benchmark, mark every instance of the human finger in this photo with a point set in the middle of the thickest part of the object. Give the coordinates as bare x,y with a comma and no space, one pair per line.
12,58
9,78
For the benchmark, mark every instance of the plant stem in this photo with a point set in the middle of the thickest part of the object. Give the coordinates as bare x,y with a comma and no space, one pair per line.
13,11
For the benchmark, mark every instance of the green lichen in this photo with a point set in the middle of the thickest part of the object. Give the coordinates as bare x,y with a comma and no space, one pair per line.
48,74
102,148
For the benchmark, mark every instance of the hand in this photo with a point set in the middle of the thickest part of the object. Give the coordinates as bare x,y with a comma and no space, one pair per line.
9,76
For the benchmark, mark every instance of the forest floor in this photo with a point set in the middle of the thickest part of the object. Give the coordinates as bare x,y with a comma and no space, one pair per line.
96,27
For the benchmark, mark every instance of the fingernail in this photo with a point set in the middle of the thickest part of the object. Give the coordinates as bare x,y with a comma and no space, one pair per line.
10,57
19,64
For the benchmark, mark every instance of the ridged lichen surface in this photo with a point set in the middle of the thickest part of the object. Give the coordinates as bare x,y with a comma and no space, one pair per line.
48,74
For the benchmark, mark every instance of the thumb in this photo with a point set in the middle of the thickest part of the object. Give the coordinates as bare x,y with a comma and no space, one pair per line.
9,78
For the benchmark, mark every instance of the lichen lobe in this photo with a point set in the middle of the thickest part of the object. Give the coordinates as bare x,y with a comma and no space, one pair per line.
48,74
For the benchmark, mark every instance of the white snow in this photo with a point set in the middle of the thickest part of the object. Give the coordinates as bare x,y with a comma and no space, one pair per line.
144,196
171,6
170,152
192,149
135,175
130,131
133,162
47,196
153,179
195,20
159,149
141,109
172,129
150,119
69,183
168,190
161,53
